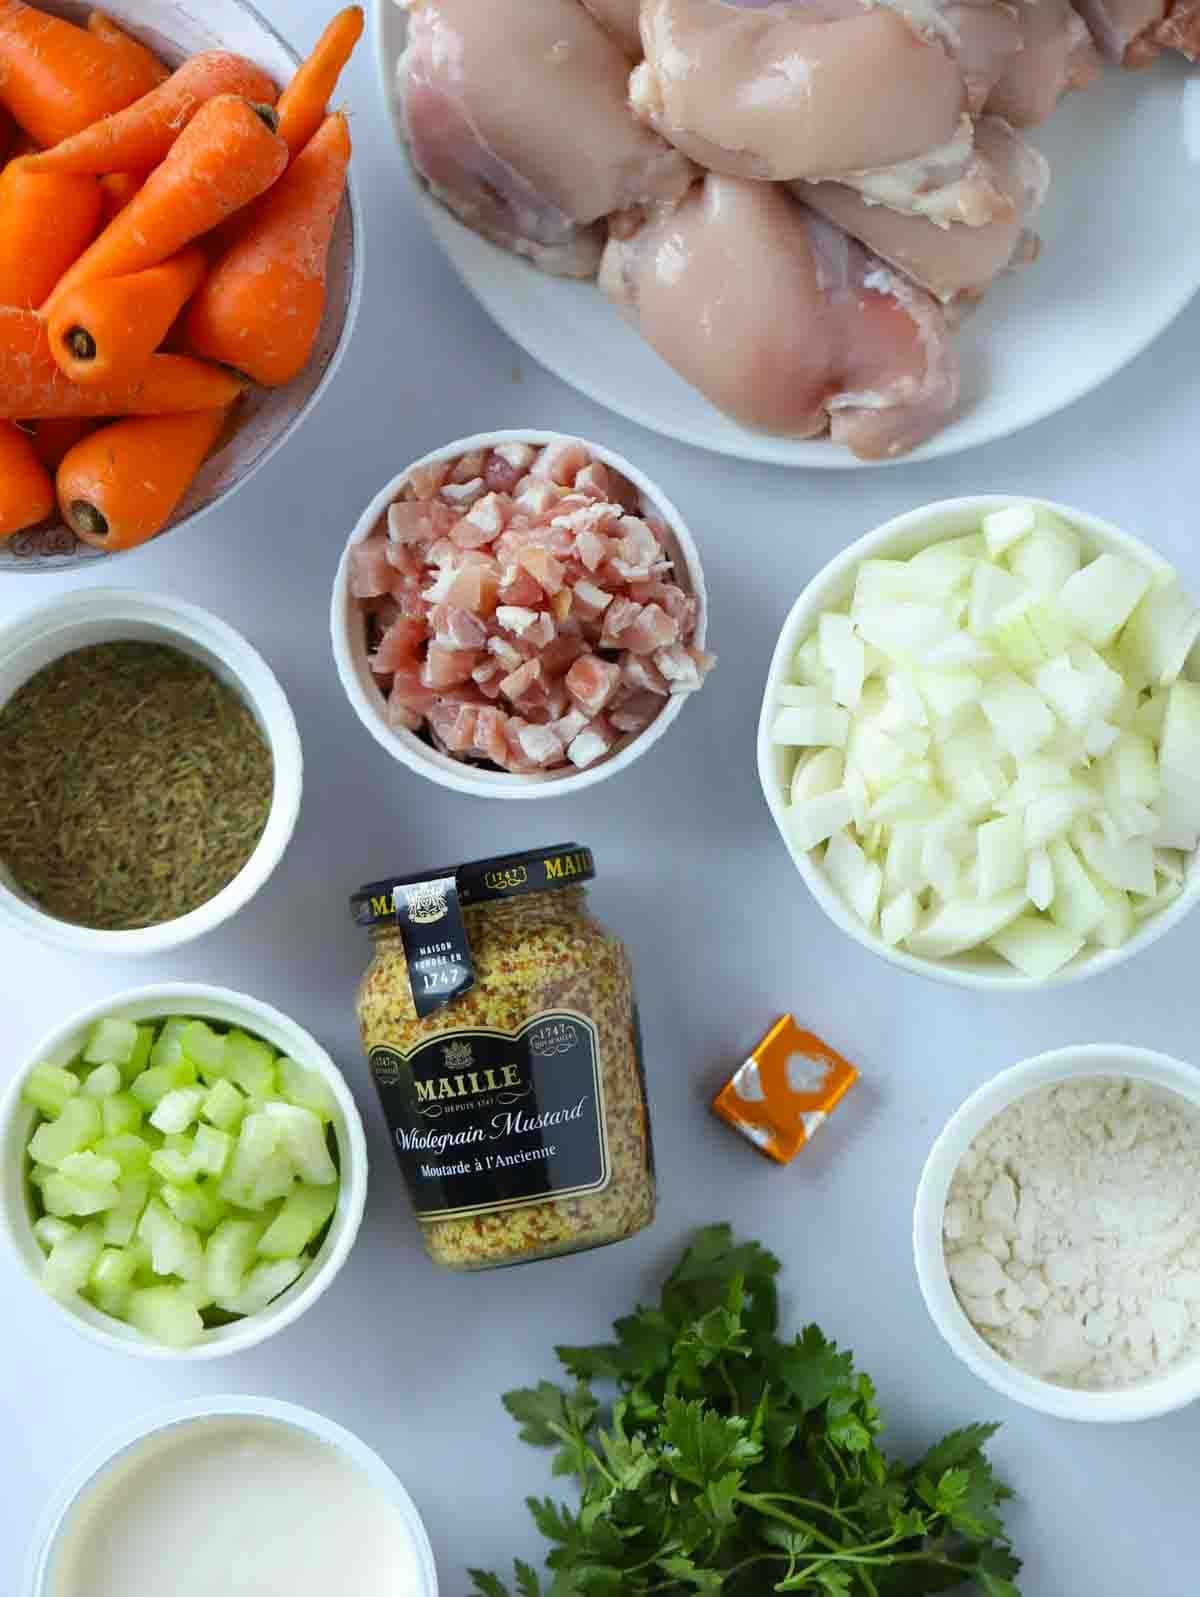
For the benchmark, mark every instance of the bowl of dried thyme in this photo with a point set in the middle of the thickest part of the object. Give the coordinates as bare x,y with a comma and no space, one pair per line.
150,772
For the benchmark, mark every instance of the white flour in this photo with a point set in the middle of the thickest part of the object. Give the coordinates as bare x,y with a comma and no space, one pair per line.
1072,1232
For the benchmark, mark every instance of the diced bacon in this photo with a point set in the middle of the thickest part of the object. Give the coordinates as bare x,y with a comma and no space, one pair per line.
521,681
652,630
591,745
469,466
439,589
426,481
458,627
445,667
475,588
543,631
406,559
454,724
536,497
519,456
560,604
618,618
463,494
517,759
642,674
592,682
413,605
508,655
561,461
558,701
519,589
485,521
464,693
636,713
624,493
589,518
559,656
418,521
570,725
410,693
637,545
502,475
590,600
679,668
399,646
542,567
443,553
681,607
370,572
489,735
593,481
541,744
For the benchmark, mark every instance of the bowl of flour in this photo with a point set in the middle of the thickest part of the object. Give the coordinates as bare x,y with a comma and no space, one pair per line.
1057,1233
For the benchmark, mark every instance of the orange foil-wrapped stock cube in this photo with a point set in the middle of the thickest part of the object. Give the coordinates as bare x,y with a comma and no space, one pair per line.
785,1091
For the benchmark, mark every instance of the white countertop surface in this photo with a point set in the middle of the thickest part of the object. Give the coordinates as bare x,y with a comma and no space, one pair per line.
724,935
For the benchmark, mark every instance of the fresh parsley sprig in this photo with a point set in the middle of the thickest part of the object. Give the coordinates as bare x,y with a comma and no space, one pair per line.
732,1462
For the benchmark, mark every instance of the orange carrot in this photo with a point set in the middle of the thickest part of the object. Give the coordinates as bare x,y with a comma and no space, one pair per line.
26,492
225,157
32,387
57,79
105,331
260,307
138,56
116,190
46,222
52,439
139,137
120,486
302,104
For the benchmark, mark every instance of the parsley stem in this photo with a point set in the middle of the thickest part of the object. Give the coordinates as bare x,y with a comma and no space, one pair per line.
801,1502
752,1500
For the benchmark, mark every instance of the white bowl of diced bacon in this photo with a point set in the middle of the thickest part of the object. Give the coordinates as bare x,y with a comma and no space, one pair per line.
519,614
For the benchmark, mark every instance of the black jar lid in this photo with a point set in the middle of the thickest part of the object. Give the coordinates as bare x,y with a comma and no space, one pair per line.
483,881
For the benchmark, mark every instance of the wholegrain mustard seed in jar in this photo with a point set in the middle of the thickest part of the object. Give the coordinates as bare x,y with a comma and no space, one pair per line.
499,1020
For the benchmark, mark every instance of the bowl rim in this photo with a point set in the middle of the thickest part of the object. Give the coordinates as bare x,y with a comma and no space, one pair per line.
356,253
801,618
259,689
1163,1394
441,768
206,1002
91,1469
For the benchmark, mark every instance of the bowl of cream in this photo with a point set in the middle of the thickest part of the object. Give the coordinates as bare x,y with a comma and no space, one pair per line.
238,1495
1057,1233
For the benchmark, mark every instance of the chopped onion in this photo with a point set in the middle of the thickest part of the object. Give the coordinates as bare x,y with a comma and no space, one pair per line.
998,744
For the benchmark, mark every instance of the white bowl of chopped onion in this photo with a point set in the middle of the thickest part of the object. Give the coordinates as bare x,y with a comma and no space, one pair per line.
980,741
569,740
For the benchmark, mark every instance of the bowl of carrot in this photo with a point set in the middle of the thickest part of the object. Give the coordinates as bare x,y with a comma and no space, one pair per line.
178,272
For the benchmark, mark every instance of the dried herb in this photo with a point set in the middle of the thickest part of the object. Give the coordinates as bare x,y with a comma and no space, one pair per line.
134,785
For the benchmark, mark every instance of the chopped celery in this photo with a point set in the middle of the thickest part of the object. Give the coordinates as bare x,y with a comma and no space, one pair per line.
130,1151
70,1262
305,1211
64,1197
230,1253
121,1221
263,1284
103,1082
140,1057
211,1149
274,1178
176,1110
154,1084
167,1048
308,1088
175,1248
250,1064
90,1169
303,1137
164,1314
47,1087
195,1205
110,1042
50,1231
224,1106
121,1113
77,1126
113,1271
206,1049
171,1165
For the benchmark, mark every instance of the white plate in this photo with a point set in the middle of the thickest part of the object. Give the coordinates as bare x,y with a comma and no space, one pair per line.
1121,258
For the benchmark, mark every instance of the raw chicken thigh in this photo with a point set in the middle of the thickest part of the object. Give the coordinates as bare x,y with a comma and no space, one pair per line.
517,119
1132,32
783,321
956,261
1058,56
620,17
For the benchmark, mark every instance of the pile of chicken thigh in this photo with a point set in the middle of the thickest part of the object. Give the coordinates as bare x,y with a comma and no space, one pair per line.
792,200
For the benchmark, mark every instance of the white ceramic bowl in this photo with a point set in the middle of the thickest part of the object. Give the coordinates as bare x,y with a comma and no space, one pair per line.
102,615
832,587
39,1575
17,1121
1161,1395
266,418
350,649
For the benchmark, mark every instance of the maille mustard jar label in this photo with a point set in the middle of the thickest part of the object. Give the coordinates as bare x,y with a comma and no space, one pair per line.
485,1120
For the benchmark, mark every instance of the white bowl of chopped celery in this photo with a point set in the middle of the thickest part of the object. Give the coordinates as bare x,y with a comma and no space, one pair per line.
184,1171
980,741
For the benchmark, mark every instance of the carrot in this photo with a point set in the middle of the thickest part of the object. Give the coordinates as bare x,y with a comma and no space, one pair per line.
138,56
139,137
46,222
52,439
57,79
121,485
26,491
116,190
225,157
105,331
32,387
302,104
260,307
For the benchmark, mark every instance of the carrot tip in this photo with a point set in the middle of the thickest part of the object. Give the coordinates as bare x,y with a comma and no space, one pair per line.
85,518
267,114
81,343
